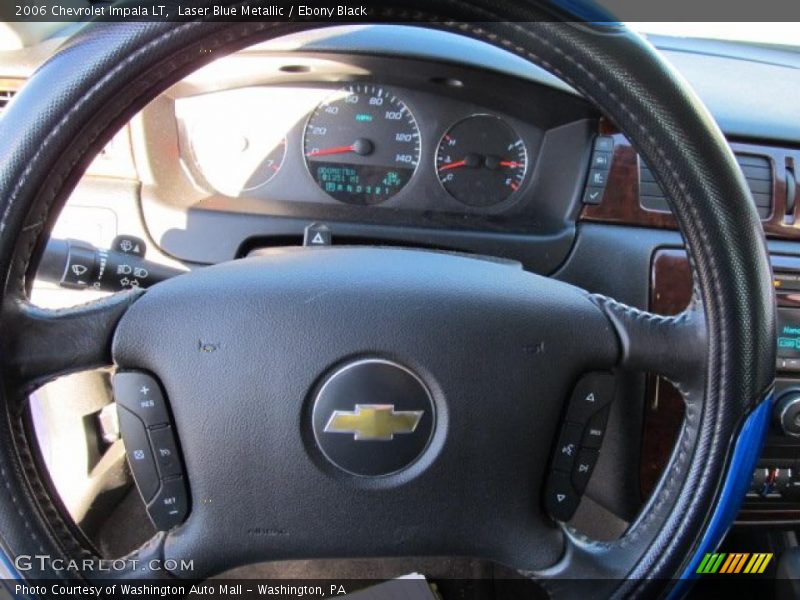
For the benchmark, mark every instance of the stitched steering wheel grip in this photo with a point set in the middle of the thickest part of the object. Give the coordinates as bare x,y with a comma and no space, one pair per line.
720,352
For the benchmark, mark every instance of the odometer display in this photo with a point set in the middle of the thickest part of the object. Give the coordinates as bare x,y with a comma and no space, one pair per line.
362,144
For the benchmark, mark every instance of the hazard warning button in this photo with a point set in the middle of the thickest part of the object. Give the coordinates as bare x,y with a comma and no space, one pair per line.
317,234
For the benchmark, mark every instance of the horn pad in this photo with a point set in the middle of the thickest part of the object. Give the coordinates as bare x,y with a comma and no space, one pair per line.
449,375
373,417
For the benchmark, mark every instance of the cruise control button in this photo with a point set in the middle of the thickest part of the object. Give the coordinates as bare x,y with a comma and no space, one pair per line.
593,392
141,394
140,458
596,429
567,448
166,452
170,505
582,471
560,498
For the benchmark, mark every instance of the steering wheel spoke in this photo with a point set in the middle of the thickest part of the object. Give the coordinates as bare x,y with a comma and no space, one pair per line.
671,346
41,344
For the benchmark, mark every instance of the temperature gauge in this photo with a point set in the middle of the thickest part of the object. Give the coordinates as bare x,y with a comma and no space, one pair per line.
481,161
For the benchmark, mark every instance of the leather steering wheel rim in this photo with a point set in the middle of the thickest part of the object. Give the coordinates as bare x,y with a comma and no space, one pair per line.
106,72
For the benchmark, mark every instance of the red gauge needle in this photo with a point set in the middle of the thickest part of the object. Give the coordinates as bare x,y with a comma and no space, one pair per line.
476,161
334,150
361,146
453,165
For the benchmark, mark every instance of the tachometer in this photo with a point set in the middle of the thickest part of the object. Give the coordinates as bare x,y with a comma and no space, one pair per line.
481,161
362,144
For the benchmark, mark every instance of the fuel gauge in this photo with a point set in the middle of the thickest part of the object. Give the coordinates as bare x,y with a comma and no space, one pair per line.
481,161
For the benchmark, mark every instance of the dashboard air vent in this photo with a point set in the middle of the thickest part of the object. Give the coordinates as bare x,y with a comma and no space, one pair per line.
5,97
757,170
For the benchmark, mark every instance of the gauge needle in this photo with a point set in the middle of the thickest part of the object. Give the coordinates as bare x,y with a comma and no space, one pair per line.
475,160
453,165
334,150
361,146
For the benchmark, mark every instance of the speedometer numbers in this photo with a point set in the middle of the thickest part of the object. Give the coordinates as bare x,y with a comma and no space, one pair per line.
362,144
481,161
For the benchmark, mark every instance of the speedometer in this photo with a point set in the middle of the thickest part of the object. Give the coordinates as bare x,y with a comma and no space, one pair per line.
362,144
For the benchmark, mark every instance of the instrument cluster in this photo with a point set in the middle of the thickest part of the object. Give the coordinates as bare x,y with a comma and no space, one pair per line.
356,144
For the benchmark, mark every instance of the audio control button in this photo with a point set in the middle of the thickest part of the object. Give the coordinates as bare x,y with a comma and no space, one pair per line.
567,448
560,498
787,413
582,471
592,393
596,429
759,479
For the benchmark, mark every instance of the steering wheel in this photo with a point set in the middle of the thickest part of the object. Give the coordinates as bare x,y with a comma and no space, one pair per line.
284,329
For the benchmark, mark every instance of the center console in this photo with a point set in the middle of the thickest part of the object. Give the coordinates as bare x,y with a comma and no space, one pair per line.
774,494
632,196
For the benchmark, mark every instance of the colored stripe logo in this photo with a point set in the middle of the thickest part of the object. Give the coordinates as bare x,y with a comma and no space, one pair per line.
735,562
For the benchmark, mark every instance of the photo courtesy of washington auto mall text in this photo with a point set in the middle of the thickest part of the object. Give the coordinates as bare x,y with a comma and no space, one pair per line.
244,590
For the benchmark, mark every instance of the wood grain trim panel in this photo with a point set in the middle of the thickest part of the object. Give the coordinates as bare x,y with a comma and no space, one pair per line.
620,204
670,293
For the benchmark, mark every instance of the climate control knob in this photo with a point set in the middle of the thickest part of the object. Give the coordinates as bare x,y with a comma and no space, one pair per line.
787,413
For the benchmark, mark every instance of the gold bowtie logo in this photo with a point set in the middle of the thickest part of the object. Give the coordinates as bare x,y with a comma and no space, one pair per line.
376,422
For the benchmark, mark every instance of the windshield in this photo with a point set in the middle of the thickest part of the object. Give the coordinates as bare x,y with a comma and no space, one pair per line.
763,33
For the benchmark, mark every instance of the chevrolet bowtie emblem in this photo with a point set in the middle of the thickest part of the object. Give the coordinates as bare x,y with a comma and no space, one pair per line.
376,422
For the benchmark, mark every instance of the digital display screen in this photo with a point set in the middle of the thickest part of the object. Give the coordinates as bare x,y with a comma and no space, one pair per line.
789,332
358,183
